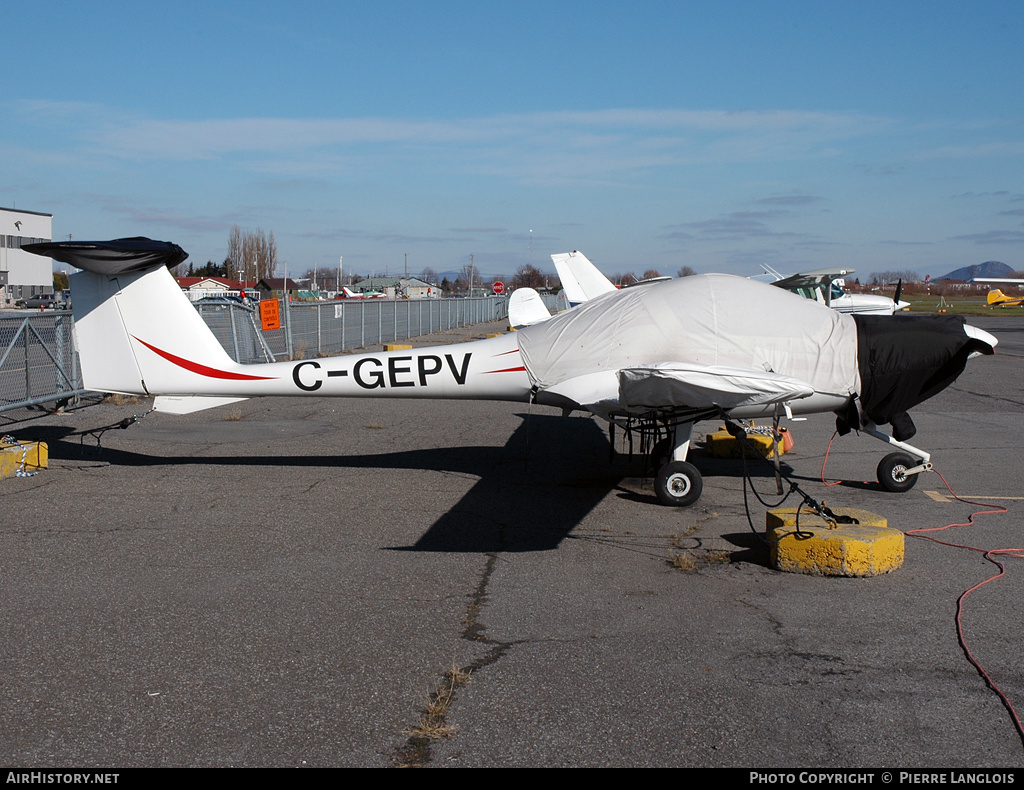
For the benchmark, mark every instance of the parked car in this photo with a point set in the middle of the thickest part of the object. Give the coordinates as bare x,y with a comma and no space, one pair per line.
222,302
41,301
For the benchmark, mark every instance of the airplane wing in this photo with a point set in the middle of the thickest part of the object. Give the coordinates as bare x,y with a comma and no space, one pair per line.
666,386
682,385
811,279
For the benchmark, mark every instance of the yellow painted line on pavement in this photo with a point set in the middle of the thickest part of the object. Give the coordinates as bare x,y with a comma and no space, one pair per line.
939,497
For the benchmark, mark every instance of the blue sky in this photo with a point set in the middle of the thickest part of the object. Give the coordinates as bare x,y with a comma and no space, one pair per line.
715,135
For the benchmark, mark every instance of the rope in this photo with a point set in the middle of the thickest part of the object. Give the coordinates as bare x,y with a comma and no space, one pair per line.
20,472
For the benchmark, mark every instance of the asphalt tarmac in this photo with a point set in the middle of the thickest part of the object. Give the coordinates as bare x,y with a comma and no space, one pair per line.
304,582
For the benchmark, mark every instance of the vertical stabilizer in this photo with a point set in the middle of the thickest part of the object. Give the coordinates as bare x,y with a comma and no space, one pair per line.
581,280
132,319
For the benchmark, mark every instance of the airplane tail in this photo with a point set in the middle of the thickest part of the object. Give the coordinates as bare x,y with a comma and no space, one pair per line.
131,319
525,308
995,296
581,280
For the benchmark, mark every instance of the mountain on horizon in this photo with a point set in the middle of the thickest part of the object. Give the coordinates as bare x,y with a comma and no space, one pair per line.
986,269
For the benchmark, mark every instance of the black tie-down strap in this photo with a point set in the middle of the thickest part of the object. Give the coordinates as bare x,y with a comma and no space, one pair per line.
738,432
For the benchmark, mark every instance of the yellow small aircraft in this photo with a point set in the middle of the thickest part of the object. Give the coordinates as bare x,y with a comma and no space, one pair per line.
997,297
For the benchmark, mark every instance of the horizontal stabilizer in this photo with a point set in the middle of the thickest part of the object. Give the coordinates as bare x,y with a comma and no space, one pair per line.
111,258
187,404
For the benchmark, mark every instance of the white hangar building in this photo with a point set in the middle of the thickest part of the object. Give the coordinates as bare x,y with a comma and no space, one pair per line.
23,274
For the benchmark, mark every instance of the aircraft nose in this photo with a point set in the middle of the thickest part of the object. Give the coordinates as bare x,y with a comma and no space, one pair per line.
980,334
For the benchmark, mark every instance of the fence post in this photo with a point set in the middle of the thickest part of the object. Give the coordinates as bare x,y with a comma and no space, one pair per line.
28,377
234,333
287,324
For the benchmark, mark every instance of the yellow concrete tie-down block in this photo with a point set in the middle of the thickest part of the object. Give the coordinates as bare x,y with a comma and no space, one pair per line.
35,455
867,548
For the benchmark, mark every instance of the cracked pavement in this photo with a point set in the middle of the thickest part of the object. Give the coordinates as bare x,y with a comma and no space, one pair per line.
287,583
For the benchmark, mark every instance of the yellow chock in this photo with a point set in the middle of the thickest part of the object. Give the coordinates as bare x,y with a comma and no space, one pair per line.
494,334
395,347
22,458
820,548
722,444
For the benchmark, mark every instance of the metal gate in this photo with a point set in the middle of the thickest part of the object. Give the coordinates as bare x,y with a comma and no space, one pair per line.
38,363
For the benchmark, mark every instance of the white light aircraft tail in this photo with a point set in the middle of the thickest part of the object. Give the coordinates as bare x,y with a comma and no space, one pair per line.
138,334
581,280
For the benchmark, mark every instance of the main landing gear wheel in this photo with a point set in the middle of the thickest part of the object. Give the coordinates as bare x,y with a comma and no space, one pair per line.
678,484
892,472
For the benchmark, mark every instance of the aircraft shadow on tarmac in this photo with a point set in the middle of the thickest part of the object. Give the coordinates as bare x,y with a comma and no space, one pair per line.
530,495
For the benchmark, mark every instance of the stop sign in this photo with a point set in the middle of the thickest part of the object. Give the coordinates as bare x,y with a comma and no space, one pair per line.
499,287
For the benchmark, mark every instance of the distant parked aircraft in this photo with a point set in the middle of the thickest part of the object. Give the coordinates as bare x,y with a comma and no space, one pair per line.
348,294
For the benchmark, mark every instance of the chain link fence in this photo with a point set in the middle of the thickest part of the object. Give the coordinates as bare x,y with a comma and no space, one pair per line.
38,362
311,329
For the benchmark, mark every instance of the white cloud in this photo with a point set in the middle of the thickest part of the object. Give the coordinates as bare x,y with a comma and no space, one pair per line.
550,145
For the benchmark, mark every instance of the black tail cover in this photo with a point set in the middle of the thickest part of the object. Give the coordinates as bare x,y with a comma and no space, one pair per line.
112,257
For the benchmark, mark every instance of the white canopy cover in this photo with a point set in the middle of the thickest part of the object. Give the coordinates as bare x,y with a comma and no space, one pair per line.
713,326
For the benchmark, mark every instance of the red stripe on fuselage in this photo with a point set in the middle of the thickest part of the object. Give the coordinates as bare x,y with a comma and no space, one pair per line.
202,370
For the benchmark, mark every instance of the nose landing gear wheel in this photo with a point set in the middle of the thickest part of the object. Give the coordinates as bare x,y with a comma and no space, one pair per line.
678,484
892,472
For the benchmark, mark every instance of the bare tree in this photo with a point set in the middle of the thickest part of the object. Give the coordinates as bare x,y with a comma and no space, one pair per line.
885,278
253,253
528,276
685,271
469,278
428,275
651,274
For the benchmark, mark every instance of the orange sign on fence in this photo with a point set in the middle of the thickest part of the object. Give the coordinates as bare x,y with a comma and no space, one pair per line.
270,315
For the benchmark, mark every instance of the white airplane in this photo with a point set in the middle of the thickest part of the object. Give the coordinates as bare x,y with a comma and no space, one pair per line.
658,358
821,286
349,294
